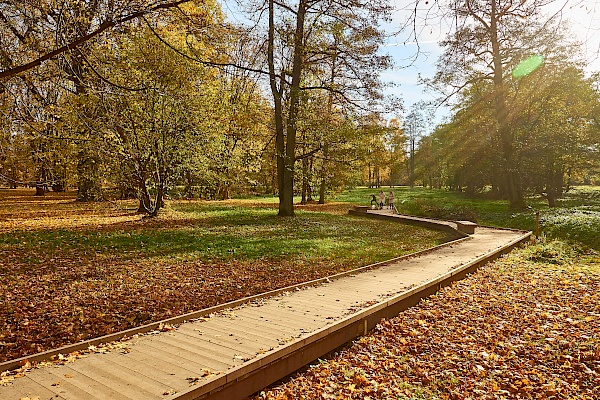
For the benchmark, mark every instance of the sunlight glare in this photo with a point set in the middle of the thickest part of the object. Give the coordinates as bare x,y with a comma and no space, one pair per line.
527,66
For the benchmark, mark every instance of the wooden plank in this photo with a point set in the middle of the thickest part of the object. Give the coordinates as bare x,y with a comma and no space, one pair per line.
210,360
301,312
256,328
201,346
156,369
25,387
302,324
248,331
116,377
318,303
237,344
285,317
329,291
175,356
80,387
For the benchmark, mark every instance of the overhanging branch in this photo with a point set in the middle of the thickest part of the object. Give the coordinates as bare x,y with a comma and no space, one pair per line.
83,39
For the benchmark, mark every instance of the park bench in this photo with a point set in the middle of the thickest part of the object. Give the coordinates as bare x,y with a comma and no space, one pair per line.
466,226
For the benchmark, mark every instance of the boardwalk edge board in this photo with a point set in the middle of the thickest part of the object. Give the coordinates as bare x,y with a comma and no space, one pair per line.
84,345
250,378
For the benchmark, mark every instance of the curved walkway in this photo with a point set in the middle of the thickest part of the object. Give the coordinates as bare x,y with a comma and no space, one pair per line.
238,351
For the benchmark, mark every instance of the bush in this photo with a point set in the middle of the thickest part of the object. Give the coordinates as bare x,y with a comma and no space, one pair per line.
580,224
550,252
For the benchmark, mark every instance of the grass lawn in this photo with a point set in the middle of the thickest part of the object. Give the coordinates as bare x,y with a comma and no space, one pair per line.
70,271
576,217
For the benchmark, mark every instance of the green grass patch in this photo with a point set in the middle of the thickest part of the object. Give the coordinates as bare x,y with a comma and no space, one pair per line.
211,232
576,217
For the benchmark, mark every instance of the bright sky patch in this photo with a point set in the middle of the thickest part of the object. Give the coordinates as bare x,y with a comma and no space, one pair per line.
527,66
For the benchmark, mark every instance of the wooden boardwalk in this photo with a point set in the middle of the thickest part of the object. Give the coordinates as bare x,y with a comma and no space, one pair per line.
202,356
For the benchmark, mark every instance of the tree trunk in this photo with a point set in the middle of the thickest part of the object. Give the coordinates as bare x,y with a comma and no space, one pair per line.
559,182
412,162
323,185
305,180
505,133
322,191
277,92
286,188
551,196
89,187
145,201
225,192
41,185
554,185
189,183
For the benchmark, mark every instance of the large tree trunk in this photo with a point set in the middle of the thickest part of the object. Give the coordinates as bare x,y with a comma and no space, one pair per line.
287,208
277,92
285,167
89,186
505,132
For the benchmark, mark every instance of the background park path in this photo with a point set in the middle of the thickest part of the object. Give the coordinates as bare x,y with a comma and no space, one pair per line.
225,348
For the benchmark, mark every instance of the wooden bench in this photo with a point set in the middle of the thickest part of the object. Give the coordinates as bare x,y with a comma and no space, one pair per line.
466,226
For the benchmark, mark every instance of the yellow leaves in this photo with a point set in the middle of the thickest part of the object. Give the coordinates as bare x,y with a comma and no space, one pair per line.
360,380
494,387
494,335
6,379
546,315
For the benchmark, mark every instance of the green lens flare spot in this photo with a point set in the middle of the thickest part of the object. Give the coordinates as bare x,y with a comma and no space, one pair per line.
527,66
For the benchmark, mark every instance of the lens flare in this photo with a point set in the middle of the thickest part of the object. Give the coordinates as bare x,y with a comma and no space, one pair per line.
527,66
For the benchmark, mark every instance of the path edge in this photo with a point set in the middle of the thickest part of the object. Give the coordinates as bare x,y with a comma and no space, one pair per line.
126,334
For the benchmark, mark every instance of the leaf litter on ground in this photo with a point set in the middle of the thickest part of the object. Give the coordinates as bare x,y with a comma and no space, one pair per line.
525,327
73,271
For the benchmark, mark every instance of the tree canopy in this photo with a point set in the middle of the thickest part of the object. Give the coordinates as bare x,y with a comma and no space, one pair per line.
153,99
